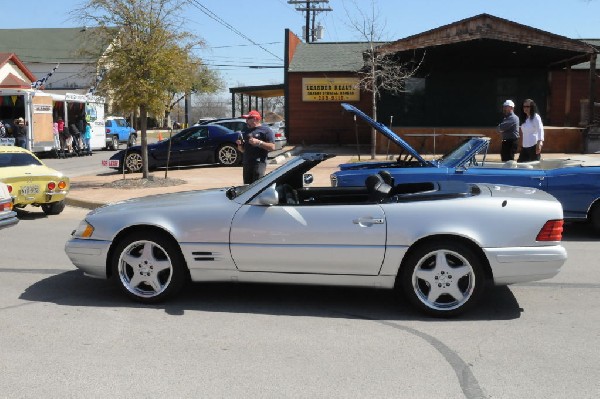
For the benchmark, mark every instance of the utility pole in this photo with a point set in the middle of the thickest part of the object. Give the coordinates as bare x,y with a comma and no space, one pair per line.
314,7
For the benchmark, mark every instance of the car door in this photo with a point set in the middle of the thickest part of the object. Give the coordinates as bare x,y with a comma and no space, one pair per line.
317,239
187,147
195,148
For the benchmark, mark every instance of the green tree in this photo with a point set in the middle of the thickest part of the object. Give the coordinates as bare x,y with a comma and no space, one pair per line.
150,56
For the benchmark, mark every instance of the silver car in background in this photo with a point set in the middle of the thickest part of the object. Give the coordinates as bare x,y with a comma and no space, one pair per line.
438,243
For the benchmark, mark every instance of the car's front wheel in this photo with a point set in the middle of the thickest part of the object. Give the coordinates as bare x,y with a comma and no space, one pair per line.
133,162
228,155
148,266
442,279
53,208
594,217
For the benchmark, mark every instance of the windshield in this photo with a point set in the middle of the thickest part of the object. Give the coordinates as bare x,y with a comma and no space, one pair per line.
235,191
9,159
456,155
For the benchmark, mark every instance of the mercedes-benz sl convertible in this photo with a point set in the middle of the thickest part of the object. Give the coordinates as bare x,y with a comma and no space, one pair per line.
574,182
439,243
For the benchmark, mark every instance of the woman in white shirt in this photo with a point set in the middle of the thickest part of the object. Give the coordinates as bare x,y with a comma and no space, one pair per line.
532,131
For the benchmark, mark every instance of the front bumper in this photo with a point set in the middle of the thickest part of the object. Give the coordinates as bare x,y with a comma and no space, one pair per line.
525,264
89,256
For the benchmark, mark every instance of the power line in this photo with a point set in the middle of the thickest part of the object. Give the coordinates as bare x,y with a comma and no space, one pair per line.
215,17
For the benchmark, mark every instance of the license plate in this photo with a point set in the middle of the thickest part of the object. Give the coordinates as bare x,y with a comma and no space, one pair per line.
111,163
30,190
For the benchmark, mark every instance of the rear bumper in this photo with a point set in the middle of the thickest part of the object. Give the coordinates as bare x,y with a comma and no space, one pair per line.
525,264
89,256
8,219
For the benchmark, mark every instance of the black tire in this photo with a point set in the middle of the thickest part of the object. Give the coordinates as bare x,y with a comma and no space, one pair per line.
53,208
133,162
148,267
228,155
114,144
594,217
132,140
452,268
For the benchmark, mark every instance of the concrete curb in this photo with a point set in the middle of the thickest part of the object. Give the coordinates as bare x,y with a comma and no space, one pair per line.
83,203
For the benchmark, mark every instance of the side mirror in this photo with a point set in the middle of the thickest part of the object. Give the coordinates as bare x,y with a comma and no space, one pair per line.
307,179
268,197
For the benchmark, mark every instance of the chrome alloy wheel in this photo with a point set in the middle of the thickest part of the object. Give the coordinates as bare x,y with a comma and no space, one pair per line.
133,162
227,155
145,269
443,280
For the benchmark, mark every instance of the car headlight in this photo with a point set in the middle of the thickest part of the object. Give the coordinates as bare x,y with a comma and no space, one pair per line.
84,230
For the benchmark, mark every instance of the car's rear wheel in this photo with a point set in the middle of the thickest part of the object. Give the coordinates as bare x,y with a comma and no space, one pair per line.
442,279
148,266
228,155
133,162
114,143
53,208
132,140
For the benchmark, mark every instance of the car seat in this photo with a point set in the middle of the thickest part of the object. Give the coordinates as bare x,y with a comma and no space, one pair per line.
377,189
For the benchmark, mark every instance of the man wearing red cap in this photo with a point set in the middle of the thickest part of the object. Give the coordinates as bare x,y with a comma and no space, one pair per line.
255,143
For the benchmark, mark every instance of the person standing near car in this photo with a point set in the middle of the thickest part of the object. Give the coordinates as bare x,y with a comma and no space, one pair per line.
20,133
532,130
255,143
509,128
87,135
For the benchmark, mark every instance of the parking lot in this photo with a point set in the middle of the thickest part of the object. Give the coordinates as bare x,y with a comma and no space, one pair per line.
71,335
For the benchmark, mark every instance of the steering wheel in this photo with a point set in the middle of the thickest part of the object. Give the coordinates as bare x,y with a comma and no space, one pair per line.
288,195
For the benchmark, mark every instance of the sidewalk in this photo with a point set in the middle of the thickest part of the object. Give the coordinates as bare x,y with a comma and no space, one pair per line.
97,190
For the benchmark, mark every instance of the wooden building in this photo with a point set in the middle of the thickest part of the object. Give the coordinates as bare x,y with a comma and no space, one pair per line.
466,71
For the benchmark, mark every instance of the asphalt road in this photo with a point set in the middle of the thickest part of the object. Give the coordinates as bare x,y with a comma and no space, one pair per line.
66,335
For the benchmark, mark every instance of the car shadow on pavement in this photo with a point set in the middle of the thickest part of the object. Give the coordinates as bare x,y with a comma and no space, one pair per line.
72,288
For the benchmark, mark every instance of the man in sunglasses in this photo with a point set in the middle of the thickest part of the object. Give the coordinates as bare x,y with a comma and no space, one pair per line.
255,143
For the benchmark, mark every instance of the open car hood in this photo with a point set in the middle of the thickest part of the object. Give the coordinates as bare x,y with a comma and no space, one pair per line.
381,128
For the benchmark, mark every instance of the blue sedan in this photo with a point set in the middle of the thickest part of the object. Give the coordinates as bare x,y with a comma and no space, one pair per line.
193,146
575,182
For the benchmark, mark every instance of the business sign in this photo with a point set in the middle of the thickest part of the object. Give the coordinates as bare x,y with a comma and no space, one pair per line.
330,89
42,109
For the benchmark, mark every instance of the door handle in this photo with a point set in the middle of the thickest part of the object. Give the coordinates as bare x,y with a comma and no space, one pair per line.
368,221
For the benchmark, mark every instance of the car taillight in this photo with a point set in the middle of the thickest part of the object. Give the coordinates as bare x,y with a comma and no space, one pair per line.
62,185
552,231
9,188
278,135
107,130
51,186
6,206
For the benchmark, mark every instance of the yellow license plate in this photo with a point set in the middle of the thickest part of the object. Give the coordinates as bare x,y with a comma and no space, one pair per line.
30,190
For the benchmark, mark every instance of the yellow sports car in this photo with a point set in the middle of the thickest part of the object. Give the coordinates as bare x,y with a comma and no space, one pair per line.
30,182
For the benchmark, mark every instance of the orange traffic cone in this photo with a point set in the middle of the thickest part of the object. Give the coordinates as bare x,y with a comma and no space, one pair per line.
160,136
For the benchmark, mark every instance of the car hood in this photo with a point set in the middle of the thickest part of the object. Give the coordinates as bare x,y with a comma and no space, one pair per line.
381,128
160,202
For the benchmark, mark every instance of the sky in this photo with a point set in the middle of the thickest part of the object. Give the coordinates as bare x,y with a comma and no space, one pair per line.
253,33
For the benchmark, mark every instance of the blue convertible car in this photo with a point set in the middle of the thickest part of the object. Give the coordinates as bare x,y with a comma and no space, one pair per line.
575,182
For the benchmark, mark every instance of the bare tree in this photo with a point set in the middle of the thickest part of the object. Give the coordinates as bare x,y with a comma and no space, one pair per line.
381,73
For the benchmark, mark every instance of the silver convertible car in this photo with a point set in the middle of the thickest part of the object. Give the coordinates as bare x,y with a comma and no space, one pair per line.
438,243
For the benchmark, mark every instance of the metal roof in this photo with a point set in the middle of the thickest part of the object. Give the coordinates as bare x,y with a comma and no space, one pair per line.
51,45
329,57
